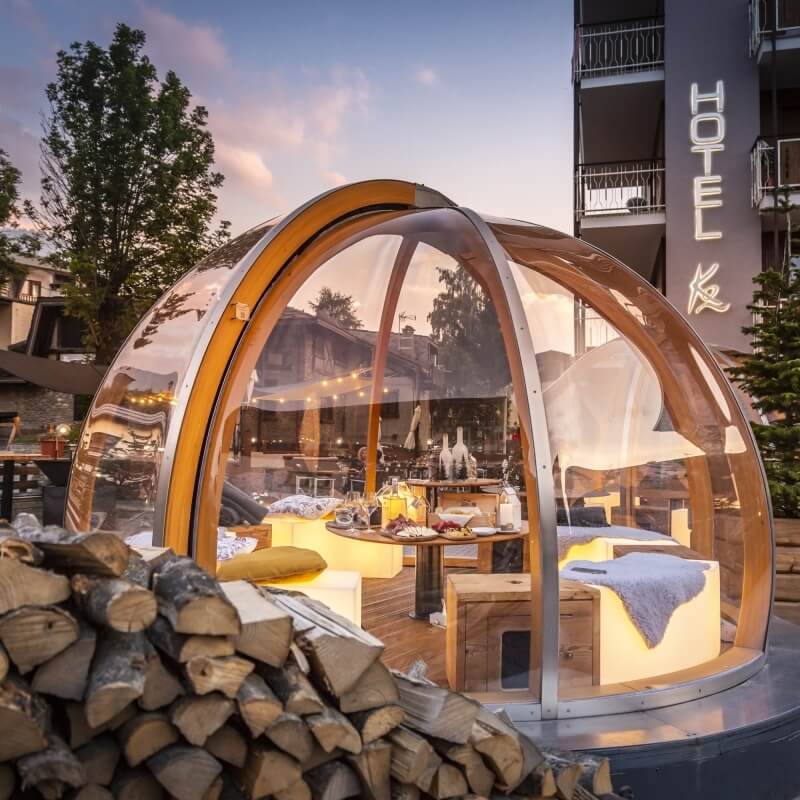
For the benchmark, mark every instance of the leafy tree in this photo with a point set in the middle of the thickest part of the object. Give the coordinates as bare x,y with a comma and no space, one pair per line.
11,246
771,375
128,189
464,325
338,306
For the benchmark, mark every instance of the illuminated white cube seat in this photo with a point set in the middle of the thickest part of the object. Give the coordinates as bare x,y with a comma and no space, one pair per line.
370,560
339,589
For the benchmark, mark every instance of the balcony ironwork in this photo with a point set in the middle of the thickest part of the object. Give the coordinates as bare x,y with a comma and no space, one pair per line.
619,188
618,48
771,168
782,15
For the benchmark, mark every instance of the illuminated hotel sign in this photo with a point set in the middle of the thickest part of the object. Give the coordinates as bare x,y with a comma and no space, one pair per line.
707,135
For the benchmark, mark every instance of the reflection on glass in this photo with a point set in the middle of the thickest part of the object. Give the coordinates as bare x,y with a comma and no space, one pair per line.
648,513
389,343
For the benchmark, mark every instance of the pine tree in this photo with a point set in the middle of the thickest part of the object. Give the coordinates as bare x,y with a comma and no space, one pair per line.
771,375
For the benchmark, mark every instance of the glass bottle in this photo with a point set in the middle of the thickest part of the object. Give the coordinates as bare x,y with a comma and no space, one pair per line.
393,504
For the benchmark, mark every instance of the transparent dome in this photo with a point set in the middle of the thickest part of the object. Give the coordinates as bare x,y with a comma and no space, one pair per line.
618,547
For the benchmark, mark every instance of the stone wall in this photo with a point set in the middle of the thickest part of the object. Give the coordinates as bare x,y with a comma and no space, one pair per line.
37,407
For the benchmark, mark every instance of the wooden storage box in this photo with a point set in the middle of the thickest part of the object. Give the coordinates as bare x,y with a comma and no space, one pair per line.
488,632
261,533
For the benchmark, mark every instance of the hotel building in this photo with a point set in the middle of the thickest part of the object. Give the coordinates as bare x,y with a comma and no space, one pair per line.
687,133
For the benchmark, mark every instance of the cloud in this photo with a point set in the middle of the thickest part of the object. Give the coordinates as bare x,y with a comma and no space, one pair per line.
247,165
177,44
333,178
427,76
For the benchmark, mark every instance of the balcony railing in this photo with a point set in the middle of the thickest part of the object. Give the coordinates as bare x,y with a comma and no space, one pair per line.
770,171
783,15
617,48
619,187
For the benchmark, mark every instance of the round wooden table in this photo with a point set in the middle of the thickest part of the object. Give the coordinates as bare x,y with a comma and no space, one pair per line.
429,561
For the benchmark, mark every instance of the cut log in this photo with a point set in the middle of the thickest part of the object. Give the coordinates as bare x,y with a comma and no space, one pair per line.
595,775
154,557
66,674
136,784
293,688
21,585
145,735
161,686
192,600
404,791
319,756
228,744
291,734
80,732
116,677
540,782
375,689
447,782
181,648
428,773
479,777
510,754
297,791
377,722
332,781
52,769
92,791
198,717
114,603
268,771
90,553
434,711
99,758
12,546
185,772
32,635
224,674
565,770
410,754
8,781
24,720
338,650
4,663
137,571
266,629
373,767
214,792
300,658
258,705
332,729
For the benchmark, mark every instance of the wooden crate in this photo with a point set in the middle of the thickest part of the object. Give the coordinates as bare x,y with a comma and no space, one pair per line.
482,610
261,533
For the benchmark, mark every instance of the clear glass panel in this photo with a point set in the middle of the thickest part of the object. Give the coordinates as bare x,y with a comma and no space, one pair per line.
657,487
388,335
116,466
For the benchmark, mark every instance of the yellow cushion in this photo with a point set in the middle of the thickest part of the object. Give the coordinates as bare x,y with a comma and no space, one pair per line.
270,564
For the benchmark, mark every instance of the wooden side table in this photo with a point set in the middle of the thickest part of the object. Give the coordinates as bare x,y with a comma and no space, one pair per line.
489,629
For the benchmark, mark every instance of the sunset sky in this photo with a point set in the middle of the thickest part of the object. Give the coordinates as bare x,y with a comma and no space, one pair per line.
472,98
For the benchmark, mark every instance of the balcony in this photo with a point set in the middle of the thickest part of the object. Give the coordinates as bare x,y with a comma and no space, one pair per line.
618,49
619,188
774,164
781,15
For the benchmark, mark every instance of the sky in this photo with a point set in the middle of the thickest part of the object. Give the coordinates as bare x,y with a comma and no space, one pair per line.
470,97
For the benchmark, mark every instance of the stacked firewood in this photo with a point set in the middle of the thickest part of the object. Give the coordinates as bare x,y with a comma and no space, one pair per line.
137,675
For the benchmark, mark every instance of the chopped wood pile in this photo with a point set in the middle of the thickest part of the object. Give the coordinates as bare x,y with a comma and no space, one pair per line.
123,676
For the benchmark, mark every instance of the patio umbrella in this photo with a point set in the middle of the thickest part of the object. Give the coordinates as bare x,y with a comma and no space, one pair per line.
69,377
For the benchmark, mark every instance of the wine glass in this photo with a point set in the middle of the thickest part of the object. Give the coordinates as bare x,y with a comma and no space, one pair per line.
372,504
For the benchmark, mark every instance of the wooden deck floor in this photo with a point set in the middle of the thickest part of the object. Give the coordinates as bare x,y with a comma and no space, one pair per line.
386,603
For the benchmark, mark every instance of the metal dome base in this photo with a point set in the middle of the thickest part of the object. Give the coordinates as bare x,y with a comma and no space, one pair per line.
743,742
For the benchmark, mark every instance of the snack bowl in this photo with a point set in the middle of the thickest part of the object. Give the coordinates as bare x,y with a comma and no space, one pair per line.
482,531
